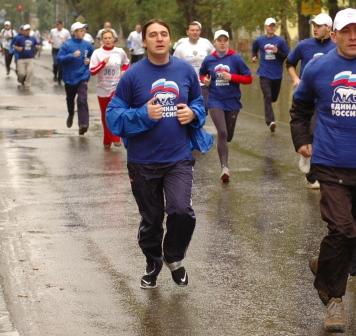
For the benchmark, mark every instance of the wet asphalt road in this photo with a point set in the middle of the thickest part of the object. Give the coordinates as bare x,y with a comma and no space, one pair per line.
69,260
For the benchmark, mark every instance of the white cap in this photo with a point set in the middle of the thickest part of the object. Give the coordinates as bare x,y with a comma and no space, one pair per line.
344,17
26,26
77,25
322,19
219,33
270,21
7,23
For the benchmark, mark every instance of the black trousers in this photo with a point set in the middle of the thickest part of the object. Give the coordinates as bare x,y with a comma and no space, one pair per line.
57,71
8,58
270,89
81,91
158,189
338,209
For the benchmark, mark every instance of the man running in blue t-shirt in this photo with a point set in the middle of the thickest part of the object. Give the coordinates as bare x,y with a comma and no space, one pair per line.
272,51
328,87
304,51
156,106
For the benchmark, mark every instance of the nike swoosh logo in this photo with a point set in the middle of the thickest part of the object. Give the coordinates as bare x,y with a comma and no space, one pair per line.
184,278
146,282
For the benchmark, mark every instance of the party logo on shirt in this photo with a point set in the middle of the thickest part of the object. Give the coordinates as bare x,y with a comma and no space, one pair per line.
344,97
166,93
269,52
219,71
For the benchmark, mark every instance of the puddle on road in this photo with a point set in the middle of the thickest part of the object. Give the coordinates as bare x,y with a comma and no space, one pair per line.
9,107
28,133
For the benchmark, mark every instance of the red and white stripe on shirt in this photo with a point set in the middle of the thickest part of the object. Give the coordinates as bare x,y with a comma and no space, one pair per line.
108,74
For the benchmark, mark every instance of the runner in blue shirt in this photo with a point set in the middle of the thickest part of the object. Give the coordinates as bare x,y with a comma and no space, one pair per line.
25,46
309,48
272,51
157,106
306,50
222,72
74,58
328,86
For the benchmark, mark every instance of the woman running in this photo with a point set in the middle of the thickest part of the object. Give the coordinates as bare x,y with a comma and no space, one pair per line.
223,71
108,62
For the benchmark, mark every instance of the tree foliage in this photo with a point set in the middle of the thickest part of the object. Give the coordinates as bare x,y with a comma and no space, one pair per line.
213,14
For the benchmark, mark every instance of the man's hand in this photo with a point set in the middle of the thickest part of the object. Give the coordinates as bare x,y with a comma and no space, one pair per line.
254,59
184,114
18,48
106,59
86,61
77,53
306,150
207,80
154,110
226,75
275,49
296,82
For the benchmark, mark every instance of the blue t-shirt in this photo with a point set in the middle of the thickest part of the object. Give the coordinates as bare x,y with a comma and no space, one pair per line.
224,94
73,68
271,64
331,81
308,49
172,83
29,46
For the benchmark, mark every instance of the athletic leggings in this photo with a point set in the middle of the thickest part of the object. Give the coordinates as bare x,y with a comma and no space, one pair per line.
224,122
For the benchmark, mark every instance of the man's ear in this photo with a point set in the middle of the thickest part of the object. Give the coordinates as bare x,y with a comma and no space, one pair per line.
333,36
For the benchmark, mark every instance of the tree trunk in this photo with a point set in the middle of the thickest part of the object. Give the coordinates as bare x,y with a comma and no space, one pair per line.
303,24
284,28
188,9
333,8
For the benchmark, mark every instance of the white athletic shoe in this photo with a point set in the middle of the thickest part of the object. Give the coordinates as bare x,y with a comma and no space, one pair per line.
315,185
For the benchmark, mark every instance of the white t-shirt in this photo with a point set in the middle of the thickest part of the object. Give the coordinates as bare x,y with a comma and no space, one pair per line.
109,76
6,37
193,53
135,42
58,37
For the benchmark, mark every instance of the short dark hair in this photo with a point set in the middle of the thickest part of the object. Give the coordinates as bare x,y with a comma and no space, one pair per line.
59,22
150,22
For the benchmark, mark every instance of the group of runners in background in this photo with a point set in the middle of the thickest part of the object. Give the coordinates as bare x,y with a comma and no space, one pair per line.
160,104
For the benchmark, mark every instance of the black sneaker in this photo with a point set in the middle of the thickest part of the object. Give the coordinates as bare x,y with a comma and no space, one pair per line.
70,120
82,129
180,277
149,279
179,274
